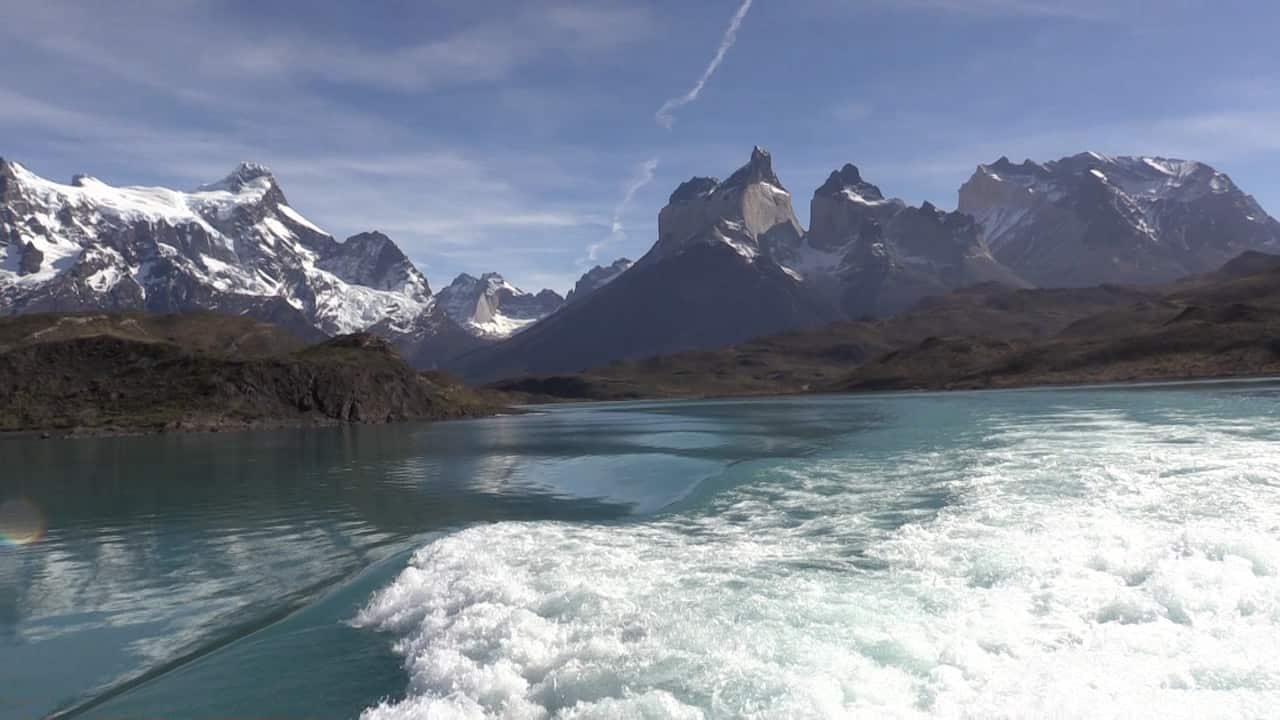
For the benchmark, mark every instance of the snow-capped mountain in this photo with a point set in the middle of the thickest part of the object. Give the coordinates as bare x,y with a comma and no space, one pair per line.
231,246
490,307
596,278
1090,218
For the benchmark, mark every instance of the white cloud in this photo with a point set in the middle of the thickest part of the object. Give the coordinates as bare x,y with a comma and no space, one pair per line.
665,116
484,52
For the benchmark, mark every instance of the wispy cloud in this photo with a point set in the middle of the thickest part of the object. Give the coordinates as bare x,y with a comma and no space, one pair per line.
665,116
617,230
485,52
1093,10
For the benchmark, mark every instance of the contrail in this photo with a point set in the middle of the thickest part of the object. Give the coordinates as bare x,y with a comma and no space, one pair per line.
643,176
664,116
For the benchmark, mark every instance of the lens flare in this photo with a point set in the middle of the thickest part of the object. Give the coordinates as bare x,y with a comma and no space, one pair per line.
21,522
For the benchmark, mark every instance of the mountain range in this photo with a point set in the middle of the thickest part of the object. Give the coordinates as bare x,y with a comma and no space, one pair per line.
236,247
731,260
1092,219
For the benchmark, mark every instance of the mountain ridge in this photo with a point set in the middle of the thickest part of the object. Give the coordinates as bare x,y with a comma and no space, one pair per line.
1090,218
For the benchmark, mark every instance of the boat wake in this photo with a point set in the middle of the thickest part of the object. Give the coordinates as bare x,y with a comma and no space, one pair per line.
1075,563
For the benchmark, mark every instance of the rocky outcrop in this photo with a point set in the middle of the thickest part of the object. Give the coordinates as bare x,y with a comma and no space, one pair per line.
596,278
750,211
371,259
30,259
72,377
876,256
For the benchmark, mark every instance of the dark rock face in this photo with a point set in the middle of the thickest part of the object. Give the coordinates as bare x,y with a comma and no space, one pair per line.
530,306
849,178
694,189
759,169
371,259
1089,218
596,278
30,260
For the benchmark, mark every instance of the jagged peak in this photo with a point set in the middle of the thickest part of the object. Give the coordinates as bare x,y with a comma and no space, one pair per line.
373,241
16,171
759,169
370,235
547,294
693,189
464,279
848,178
489,282
8,175
244,174
248,171
617,266
1007,166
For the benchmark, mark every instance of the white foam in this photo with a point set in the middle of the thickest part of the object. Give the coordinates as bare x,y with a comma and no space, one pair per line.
1084,564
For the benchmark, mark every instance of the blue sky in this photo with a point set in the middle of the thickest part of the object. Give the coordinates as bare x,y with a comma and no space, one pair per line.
522,137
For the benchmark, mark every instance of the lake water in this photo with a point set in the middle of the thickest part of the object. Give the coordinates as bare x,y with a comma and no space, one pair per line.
1051,553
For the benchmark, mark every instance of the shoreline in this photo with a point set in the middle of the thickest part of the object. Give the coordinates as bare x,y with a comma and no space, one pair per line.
530,407
196,428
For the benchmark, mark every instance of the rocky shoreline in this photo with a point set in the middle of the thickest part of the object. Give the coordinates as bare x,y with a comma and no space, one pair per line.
114,374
